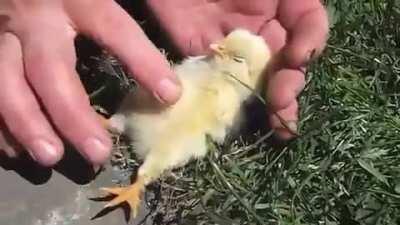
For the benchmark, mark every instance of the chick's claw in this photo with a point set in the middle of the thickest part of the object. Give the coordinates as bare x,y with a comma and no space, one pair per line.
130,194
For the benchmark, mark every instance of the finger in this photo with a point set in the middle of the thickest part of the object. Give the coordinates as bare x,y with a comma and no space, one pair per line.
283,87
307,27
112,27
50,70
8,144
274,34
284,121
19,108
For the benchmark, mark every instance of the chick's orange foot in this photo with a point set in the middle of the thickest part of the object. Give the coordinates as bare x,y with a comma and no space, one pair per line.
131,195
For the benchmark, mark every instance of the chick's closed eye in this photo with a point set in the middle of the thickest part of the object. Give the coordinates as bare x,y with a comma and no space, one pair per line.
238,59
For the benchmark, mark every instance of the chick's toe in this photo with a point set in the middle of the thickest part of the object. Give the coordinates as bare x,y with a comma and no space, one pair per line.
130,194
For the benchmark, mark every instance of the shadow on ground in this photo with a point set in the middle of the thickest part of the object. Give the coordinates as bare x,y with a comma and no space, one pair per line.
33,195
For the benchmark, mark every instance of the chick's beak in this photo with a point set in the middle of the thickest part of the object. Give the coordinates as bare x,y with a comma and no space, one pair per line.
217,49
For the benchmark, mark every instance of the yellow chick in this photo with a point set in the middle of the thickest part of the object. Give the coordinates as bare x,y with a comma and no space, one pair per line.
214,88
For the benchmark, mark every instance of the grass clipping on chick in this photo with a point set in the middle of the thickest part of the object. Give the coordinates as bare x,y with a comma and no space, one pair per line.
215,87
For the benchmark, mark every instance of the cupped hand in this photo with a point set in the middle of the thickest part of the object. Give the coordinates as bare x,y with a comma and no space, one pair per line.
42,100
296,32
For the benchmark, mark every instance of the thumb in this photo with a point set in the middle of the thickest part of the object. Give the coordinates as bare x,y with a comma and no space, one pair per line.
112,27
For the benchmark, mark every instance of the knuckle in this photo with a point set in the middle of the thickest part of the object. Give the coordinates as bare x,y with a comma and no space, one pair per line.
7,143
23,126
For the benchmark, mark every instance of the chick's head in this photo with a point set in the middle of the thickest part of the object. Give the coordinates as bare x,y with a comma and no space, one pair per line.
243,46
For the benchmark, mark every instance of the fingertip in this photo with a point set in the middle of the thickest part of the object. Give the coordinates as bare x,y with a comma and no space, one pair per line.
46,153
284,134
168,91
284,122
96,150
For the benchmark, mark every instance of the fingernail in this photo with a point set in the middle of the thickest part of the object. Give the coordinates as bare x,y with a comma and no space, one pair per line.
95,150
97,169
168,91
10,152
43,152
310,56
292,126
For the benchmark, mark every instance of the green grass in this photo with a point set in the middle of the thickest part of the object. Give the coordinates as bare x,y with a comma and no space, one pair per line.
344,169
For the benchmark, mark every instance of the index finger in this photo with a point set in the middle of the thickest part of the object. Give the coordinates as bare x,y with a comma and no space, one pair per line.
112,27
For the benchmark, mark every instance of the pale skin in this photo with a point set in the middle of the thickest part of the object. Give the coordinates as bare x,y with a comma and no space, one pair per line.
42,100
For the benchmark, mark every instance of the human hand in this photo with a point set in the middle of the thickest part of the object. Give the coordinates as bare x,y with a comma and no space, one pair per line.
41,97
295,33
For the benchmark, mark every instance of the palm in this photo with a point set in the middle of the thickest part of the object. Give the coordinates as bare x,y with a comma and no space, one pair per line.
295,31
194,24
